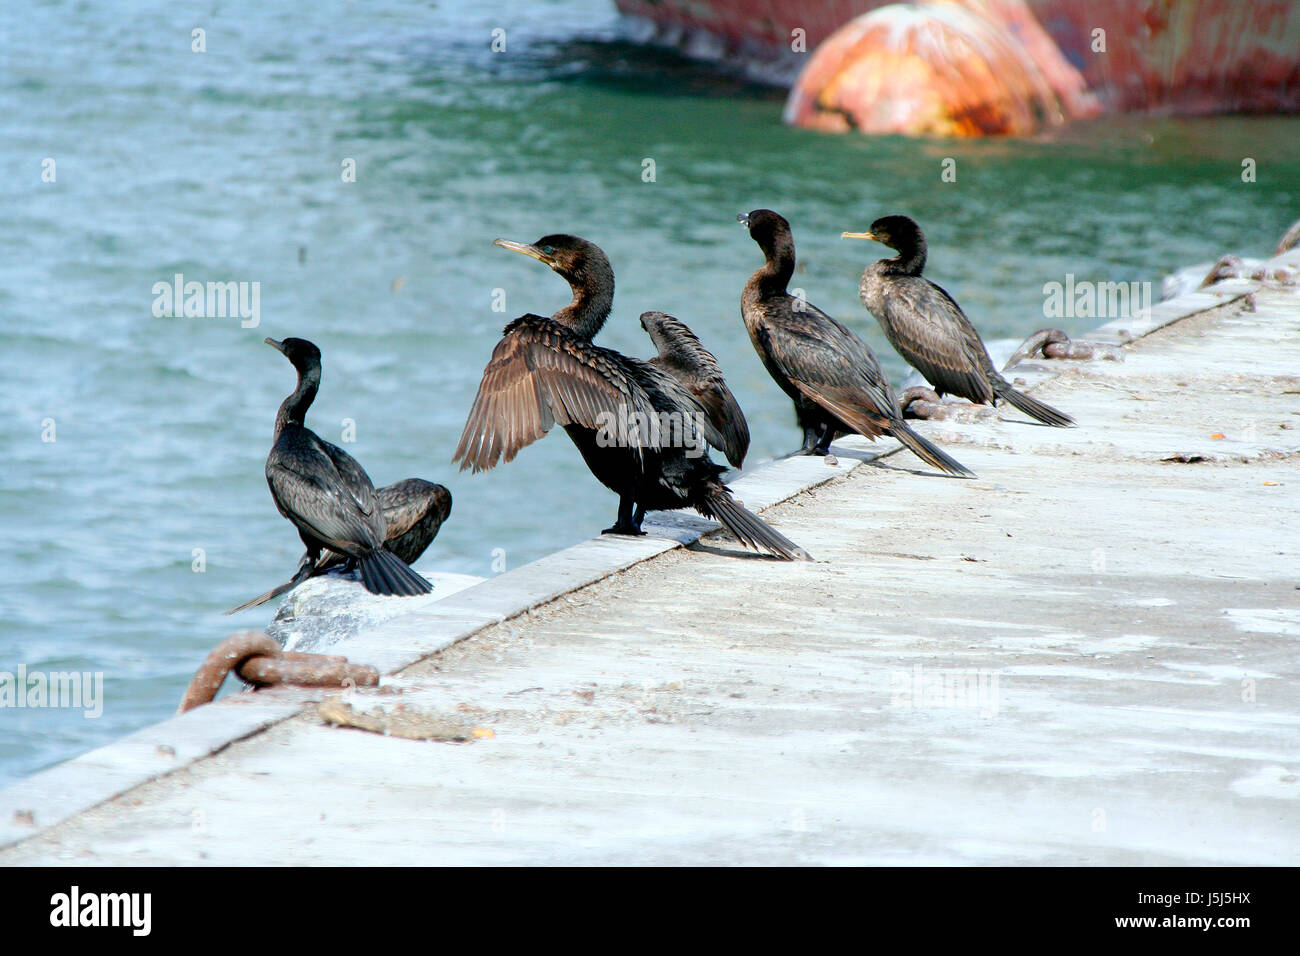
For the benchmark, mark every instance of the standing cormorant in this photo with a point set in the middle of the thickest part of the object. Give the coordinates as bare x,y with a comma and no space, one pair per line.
929,329
633,423
414,510
325,493
833,378
682,356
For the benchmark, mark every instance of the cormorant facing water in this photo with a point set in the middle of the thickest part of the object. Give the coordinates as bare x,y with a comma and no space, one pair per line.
929,329
325,493
414,510
833,378
633,423
682,356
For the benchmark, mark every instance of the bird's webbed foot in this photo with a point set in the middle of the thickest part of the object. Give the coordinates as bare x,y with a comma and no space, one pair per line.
823,447
812,441
628,529
628,523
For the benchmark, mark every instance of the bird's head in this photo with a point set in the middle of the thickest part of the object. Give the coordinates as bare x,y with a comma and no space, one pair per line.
300,352
577,260
764,226
896,232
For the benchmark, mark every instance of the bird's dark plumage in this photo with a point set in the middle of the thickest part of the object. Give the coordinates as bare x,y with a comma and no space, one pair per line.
325,492
830,374
929,329
682,356
413,509
634,423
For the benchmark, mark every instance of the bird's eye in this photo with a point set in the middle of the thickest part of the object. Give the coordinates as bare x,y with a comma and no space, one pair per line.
549,250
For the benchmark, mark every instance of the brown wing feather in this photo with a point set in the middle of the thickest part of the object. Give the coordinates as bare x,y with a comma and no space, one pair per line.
933,335
541,374
845,405
834,368
682,355
407,503
725,415
684,395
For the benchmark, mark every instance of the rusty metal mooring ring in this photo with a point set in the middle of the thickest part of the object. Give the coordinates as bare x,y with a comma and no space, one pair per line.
1055,344
921,401
259,660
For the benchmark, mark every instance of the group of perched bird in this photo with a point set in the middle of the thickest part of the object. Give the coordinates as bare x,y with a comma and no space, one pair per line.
546,370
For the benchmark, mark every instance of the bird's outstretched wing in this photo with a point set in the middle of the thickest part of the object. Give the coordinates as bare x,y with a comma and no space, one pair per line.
700,374
725,415
933,335
541,374
670,394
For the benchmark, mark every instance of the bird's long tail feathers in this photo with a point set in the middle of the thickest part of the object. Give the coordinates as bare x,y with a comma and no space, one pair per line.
748,528
269,595
383,572
1033,407
303,573
928,452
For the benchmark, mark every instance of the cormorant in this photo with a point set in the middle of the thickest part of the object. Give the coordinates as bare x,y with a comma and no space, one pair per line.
414,510
634,424
832,376
929,329
682,356
325,492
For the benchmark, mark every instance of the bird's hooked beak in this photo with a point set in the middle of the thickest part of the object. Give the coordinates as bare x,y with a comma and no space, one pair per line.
278,346
527,249
861,235
743,219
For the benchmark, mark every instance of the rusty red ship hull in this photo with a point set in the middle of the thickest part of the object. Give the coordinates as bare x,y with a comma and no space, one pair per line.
1183,57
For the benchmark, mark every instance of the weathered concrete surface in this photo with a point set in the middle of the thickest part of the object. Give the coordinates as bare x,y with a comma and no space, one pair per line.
327,610
1087,655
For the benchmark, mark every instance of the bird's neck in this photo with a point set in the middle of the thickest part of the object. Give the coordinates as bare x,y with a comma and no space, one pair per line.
592,301
775,275
294,408
909,261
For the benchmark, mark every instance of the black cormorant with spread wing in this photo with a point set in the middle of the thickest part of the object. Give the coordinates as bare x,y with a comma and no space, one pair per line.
929,329
635,425
832,376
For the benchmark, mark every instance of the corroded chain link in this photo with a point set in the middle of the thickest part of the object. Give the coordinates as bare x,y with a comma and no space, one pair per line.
259,660
921,401
1055,344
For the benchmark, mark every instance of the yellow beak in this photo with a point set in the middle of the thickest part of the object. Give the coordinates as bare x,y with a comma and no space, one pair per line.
526,248
860,235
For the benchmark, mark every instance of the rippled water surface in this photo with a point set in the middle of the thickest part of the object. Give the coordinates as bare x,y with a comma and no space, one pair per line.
226,166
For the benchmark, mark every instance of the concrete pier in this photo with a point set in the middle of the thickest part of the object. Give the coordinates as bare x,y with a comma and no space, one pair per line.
1088,655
